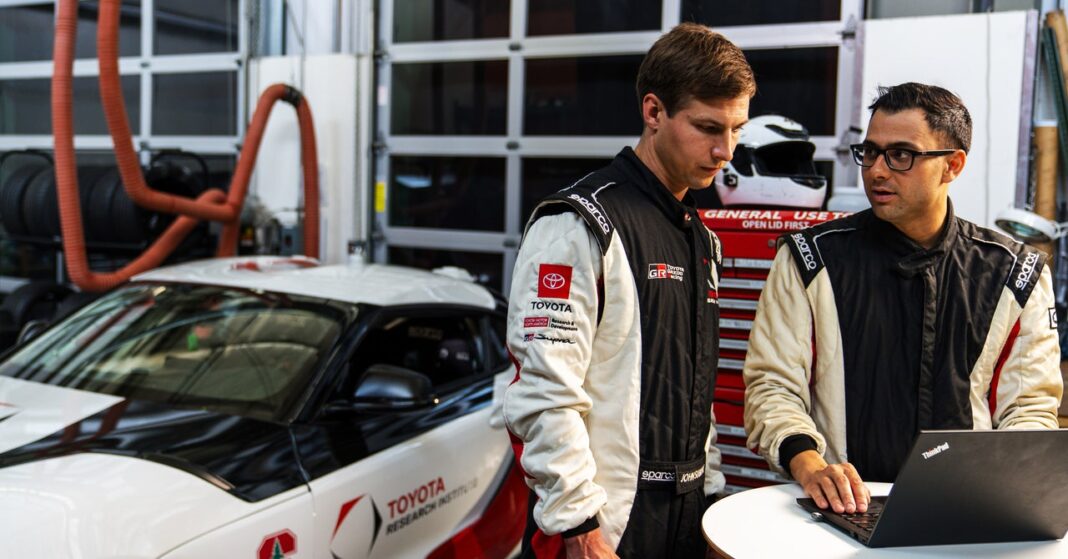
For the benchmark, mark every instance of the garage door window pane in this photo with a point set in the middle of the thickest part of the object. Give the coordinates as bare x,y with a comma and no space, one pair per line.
195,26
484,266
447,192
543,176
582,96
26,32
25,105
722,13
194,104
450,98
560,17
797,83
448,20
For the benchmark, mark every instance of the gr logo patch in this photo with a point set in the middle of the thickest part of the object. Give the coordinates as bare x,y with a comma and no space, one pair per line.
554,281
1053,318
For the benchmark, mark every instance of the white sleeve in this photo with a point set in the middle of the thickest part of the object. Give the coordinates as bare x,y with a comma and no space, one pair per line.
1030,388
552,318
778,364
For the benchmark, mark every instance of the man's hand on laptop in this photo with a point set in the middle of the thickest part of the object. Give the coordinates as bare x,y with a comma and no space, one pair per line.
837,485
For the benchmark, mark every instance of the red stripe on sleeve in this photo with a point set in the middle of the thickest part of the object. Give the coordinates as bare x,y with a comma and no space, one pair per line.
1004,356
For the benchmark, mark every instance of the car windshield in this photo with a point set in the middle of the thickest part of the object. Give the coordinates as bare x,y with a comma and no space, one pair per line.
235,351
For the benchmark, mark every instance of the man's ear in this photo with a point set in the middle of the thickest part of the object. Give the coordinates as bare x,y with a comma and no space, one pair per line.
954,165
652,111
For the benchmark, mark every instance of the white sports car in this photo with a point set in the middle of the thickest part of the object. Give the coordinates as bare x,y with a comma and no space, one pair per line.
263,408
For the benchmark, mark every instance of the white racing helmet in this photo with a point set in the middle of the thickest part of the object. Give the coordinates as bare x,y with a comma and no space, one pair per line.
772,166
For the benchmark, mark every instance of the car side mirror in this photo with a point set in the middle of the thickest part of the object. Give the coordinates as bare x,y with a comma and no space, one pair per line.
391,388
31,330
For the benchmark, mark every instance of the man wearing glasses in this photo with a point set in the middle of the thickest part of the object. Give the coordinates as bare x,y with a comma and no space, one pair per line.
898,318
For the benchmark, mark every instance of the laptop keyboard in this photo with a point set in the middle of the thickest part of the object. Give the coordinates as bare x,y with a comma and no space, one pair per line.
863,520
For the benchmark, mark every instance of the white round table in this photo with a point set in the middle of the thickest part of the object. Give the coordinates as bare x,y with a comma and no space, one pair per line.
767,522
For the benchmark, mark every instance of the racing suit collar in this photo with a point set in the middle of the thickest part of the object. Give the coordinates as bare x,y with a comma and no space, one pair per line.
913,258
681,213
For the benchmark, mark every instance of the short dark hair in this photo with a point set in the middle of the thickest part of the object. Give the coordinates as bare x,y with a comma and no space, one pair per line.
944,112
692,61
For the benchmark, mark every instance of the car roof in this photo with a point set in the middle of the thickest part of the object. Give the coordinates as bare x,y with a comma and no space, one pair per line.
375,284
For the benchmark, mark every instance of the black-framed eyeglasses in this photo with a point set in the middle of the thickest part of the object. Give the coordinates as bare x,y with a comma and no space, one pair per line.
897,159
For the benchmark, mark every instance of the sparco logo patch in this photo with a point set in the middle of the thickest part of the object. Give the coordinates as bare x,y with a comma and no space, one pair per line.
550,306
602,221
650,475
665,271
554,281
806,252
1027,269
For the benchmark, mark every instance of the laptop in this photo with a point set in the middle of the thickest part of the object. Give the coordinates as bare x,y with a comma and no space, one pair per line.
960,487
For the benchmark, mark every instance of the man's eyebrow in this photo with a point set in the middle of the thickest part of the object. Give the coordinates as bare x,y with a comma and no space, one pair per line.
899,144
709,121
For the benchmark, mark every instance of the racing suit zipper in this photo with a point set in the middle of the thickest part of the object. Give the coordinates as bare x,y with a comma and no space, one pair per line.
925,403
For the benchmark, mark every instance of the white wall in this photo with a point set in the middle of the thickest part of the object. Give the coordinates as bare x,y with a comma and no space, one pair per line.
980,58
330,85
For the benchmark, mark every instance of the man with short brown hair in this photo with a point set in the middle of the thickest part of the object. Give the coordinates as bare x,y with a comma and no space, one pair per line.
613,322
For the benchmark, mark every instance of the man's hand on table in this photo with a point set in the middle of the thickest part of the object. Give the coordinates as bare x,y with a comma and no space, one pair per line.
837,485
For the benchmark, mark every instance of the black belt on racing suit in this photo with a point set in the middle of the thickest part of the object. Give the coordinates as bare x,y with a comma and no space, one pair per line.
680,477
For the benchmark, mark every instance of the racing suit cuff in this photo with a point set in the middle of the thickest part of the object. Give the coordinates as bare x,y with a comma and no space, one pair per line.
589,525
792,446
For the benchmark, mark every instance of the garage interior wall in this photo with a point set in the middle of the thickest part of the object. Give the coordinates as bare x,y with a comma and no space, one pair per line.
980,57
485,107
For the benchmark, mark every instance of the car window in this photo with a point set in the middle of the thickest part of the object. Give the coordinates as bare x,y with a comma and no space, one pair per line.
447,349
228,350
493,332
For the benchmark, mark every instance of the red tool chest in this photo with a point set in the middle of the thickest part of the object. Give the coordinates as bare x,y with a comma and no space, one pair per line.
748,238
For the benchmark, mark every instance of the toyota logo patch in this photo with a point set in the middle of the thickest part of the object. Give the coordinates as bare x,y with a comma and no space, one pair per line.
554,281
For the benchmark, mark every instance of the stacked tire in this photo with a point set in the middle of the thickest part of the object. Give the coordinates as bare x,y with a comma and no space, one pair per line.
29,206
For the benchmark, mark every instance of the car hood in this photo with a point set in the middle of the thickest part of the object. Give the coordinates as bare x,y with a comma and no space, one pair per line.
99,505
247,458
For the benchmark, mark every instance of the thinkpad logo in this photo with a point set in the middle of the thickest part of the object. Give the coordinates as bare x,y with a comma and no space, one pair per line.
935,451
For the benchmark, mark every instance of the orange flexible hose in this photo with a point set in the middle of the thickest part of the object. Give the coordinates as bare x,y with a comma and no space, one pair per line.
211,204
107,49
247,160
130,169
67,175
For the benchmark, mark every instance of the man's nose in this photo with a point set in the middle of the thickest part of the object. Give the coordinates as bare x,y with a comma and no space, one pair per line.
879,169
723,148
